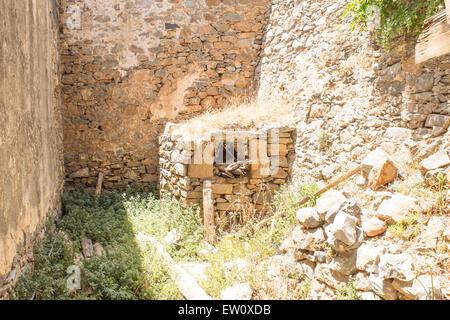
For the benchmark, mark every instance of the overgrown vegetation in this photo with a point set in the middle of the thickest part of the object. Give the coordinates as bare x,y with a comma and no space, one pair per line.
255,246
124,271
440,185
348,291
323,138
396,17
407,228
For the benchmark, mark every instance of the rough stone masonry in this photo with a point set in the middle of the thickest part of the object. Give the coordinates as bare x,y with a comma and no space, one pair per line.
128,66
245,169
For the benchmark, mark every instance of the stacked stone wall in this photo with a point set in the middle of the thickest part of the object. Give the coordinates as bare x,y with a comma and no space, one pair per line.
243,182
128,66
351,94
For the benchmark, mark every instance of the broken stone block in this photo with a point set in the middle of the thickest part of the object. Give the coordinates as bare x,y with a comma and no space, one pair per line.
345,263
368,257
382,287
98,249
398,133
82,173
310,240
324,273
329,200
88,249
438,160
382,173
344,228
396,266
422,288
396,208
201,171
373,226
309,217
438,120
371,160
222,188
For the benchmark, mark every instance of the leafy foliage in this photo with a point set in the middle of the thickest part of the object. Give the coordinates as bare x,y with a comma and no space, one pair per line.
407,228
397,17
125,271
348,291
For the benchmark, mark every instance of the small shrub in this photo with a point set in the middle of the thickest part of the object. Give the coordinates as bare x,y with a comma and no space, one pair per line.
323,139
348,291
406,229
303,289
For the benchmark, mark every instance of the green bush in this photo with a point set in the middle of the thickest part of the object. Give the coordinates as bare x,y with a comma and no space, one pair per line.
397,17
348,291
125,271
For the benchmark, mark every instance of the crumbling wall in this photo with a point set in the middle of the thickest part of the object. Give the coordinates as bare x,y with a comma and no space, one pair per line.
31,168
245,169
349,91
128,66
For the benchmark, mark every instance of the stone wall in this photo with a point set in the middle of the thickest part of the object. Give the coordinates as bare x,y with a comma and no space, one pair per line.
128,66
31,167
245,169
349,92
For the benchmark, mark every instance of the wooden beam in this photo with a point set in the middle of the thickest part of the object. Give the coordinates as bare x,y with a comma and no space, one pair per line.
332,184
447,5
434,41
184,281
208,212
98,190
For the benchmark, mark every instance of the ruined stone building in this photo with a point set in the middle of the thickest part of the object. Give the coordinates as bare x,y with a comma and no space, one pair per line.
87,86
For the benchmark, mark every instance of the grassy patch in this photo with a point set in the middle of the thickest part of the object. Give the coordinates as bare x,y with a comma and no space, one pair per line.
255,246
348,291
125,271
407,228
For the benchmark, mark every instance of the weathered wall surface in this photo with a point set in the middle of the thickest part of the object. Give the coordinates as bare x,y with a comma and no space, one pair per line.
347,90
31,168
127,66
243,179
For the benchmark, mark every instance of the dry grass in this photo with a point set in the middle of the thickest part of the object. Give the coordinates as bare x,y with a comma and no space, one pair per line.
239,114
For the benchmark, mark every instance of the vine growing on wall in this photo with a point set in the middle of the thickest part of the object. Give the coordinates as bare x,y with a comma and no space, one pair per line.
396,17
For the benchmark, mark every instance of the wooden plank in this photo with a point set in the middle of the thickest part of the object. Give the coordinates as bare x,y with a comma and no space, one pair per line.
98,190
447,5
435,38
208,212
184,281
